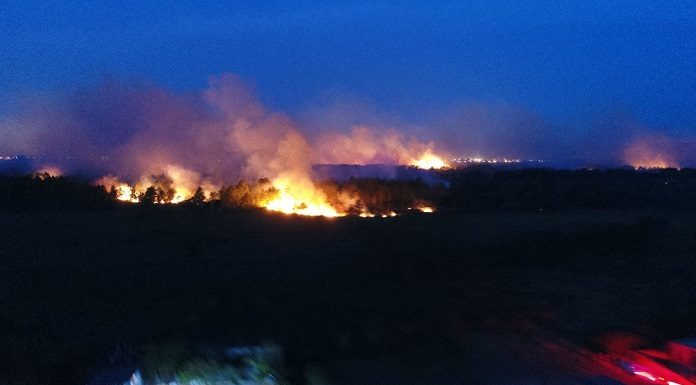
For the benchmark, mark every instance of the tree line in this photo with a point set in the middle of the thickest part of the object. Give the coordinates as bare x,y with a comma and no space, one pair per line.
470,189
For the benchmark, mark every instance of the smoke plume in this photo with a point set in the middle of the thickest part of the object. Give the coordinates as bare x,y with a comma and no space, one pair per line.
224,134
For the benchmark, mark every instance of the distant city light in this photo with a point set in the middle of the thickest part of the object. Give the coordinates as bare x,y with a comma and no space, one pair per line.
503,160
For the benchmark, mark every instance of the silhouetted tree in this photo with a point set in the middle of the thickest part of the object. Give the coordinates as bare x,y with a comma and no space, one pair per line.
134,194
198,197
245,194
113,193
150,196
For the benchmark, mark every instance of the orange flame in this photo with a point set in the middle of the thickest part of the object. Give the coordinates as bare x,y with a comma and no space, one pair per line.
428,160
423,209
301,198
180,183
124,192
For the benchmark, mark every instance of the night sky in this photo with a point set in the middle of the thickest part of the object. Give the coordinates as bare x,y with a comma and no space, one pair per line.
573,70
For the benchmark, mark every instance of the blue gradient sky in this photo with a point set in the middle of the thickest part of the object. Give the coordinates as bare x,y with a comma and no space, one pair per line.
565,61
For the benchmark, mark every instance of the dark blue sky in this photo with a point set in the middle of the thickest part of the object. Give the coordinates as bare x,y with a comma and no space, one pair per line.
563,60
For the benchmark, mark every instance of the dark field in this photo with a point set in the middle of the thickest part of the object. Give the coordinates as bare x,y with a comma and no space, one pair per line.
445,297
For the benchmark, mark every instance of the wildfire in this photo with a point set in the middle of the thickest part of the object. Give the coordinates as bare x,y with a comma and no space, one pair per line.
422,207
189,147
300,198
650,152
429,161
48,171
288,194
174,186
653,162
124,192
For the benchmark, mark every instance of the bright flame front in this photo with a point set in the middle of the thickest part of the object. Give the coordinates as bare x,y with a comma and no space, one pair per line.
301,199
429,160
124,193
291,193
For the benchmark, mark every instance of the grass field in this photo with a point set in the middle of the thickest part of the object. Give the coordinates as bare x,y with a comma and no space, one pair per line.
332,291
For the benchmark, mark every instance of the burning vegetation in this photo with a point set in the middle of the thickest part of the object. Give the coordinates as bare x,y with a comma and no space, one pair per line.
148,144
289,193
429,161
650,153
48,171
246,156
359,197
466,189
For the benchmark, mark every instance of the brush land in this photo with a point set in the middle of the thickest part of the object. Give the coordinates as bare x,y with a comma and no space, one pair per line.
419,298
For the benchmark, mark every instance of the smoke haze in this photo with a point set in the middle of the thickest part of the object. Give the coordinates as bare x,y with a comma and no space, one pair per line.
225,133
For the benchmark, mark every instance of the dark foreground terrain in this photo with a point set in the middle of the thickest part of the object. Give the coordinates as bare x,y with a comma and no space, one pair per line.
417,298
471,294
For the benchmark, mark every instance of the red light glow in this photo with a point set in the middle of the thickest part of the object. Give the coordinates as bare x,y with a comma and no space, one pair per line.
646,375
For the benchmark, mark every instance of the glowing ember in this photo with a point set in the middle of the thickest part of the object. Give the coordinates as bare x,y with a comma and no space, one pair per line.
428,161
423,209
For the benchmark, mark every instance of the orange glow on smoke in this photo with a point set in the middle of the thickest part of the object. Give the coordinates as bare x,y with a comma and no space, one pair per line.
651,152
428,160
51,171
